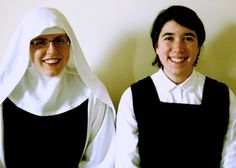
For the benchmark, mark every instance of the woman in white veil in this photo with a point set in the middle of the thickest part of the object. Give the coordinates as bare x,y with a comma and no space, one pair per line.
38,98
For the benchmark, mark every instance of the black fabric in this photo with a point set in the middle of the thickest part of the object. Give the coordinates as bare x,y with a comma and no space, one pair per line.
181,135
32,141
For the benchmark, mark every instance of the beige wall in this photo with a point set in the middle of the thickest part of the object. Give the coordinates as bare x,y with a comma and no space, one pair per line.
114,35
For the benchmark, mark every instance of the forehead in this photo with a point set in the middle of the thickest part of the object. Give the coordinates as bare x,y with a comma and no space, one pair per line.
51,36
174,27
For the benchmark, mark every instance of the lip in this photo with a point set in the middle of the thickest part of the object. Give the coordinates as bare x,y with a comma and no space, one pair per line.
52,60
177,59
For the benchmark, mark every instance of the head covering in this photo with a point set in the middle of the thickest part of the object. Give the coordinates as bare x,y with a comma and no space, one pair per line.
18,74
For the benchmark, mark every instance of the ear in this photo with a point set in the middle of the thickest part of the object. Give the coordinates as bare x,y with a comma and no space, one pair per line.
157,50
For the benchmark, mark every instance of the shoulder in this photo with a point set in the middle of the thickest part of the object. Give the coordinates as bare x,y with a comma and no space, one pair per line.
141,83
216,90
215,83
210,80
98,107
95,102
128,91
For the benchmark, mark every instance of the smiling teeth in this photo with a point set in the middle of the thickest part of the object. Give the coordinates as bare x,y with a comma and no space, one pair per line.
177,59
52,61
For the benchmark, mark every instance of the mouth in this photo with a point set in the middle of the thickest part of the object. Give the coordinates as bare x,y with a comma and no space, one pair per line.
52,61
177,59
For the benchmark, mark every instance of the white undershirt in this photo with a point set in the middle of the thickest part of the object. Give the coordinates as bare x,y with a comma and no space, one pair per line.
190,92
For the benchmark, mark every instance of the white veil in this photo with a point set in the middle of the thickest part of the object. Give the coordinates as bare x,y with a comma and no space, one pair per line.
16,60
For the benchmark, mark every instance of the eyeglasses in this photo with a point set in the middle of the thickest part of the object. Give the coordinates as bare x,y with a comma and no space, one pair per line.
60,41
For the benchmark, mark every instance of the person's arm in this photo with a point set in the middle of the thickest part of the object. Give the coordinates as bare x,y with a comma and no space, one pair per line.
229,149
127,155
99,150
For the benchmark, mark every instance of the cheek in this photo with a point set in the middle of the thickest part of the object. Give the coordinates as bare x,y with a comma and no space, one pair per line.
66,54
35,55
161,49
32,55
193,50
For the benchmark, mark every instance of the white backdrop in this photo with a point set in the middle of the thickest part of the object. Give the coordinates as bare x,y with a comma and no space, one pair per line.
114,35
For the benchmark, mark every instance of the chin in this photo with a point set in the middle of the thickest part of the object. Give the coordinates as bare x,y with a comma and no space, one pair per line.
51,74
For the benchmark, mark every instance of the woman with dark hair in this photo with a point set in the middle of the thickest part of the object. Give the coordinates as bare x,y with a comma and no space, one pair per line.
184,118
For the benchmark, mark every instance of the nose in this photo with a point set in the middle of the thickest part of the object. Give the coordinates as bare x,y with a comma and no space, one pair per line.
51,48
179,45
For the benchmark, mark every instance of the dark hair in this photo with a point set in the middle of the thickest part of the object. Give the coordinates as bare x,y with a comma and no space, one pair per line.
183,16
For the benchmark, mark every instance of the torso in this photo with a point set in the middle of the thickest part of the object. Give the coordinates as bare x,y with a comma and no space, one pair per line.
44,141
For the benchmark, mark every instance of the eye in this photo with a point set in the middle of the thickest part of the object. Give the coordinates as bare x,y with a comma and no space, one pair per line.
168,38
61,41
39,42
188,38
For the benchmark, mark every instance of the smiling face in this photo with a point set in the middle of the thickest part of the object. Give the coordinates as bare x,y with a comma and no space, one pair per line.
50,57
177,48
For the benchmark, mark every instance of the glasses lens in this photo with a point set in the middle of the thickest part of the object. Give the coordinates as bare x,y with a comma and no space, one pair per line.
60,41
38,43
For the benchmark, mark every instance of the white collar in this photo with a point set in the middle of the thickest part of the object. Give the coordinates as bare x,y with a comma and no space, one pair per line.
165,84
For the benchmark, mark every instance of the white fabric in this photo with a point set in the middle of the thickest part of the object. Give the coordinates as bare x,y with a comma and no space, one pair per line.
16,59
190,91
52,30
43,95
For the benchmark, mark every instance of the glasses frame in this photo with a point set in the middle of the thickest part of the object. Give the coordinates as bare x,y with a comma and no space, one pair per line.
67,39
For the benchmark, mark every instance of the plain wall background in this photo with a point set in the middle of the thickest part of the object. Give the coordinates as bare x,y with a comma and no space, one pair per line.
114,36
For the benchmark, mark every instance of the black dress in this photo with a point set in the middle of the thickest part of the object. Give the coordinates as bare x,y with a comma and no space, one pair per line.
32,141
181,135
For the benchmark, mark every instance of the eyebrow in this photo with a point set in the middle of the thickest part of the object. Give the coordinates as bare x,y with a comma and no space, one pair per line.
190,34
185,34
